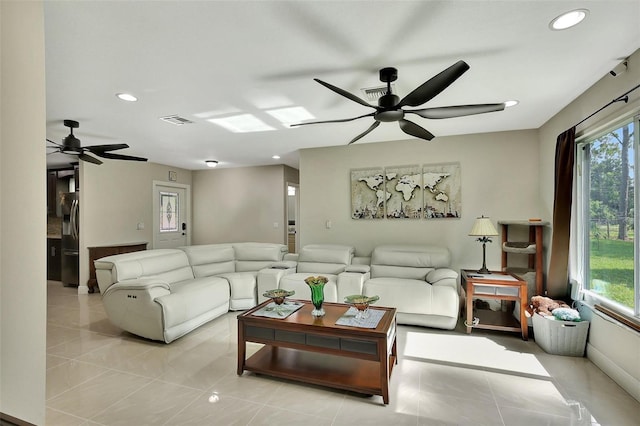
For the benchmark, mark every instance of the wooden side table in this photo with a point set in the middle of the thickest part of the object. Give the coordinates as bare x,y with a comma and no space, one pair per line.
499,286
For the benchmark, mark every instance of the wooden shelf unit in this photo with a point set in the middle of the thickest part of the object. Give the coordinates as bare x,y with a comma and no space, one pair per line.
98,252
533,248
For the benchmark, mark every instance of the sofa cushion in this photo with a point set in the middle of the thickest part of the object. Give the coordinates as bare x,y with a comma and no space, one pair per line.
324,258
252,257
407,261
210,259
193,297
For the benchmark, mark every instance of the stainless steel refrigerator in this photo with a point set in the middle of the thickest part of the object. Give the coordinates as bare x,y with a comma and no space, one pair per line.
70,239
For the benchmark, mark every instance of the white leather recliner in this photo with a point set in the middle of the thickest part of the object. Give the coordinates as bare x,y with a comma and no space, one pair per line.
417,281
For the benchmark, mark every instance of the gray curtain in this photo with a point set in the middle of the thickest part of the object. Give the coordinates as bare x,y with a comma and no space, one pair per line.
558,277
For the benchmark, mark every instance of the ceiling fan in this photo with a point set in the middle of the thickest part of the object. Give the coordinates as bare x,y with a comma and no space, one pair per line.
390,106
71,145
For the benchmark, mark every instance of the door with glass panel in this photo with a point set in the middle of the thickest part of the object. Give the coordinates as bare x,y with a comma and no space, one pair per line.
171,224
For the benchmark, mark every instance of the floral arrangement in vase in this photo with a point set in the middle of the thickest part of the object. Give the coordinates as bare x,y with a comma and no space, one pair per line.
316,284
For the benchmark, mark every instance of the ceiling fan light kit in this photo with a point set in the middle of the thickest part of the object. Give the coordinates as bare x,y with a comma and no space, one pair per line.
390,106
71,145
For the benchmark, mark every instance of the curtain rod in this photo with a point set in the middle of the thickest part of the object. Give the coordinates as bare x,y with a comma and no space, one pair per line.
622,98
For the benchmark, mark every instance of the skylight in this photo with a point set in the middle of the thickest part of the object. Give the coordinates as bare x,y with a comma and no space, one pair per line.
243,123
290,115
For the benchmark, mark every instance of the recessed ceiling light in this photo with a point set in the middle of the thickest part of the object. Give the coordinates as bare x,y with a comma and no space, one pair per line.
211,163
508,104
243,123
126,97
568,19
276,157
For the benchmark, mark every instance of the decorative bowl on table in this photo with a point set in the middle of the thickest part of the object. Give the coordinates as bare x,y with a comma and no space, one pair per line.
361,303
278,295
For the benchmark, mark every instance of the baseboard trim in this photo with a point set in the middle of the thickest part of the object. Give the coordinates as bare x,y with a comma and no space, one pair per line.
10,420
611,369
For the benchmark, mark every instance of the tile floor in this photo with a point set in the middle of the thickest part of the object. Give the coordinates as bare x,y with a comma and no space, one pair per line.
99,375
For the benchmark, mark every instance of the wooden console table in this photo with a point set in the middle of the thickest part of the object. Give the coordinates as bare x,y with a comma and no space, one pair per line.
499,286
318,351
98,252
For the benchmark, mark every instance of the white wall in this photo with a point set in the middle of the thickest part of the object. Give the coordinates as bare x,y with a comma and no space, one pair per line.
499,179
240,204
114,197
23,306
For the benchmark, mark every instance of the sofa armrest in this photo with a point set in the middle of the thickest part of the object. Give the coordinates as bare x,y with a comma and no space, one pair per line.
269,279
284,264
148,285
132,306
361,260
361,269
290,257
351,283
443,277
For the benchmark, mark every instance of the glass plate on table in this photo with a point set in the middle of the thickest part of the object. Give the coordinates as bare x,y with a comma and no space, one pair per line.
278,297
361,303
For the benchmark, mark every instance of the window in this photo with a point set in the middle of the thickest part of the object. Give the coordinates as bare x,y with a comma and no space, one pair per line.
169,212
607,202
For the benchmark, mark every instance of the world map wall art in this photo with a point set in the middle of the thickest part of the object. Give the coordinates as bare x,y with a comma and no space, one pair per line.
430,191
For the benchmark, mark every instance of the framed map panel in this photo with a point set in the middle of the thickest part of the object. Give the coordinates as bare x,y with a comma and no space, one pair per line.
442,190
367,193
403,186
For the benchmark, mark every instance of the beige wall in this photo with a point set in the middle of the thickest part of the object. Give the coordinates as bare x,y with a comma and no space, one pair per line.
499,179
240,204
612,347
114,198
23,306
600,94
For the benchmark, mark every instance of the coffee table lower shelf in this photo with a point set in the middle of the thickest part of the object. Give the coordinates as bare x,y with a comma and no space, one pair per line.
352,374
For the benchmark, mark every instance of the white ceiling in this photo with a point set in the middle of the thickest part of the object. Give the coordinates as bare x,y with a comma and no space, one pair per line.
209,59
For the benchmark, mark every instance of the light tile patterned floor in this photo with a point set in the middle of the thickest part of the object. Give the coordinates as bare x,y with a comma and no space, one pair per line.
99,375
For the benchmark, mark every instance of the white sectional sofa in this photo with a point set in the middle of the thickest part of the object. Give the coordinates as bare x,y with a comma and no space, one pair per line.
416,280
163,294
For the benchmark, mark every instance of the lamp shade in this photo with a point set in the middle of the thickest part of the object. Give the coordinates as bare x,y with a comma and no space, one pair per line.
483,227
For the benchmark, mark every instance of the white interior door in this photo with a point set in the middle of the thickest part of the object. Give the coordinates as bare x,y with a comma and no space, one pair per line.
171,215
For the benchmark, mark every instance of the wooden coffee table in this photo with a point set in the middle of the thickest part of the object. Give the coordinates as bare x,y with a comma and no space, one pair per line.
317,351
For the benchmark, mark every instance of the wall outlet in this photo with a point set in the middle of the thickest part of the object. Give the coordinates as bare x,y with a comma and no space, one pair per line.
140,226
275,225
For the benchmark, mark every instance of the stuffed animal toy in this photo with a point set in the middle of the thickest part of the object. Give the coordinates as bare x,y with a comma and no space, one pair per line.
545,306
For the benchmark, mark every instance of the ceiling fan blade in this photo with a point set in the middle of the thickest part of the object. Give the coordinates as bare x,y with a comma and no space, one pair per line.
373,126
436,84
344,93
413,129
456,110
90,159
334,121
55,143
119,156
103,148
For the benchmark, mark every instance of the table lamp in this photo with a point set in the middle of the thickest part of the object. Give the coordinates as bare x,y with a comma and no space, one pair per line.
483,228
